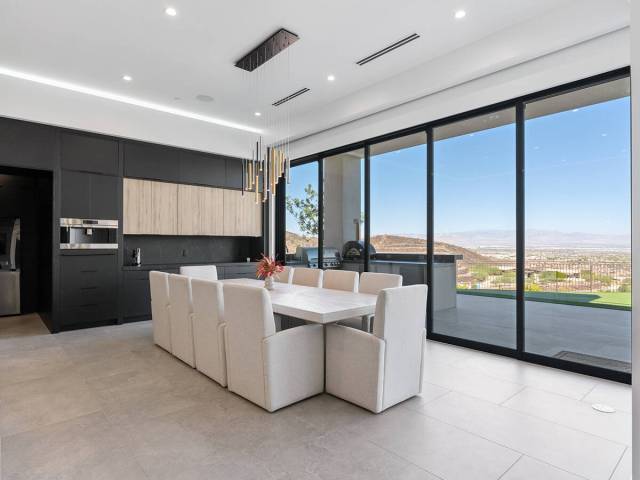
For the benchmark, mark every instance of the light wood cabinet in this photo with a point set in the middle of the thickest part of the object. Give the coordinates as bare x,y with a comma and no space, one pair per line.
150,208
159,208
200,210
242,217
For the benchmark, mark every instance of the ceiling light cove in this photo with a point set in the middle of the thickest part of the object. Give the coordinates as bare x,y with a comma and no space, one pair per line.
460,14
172,12
29,77
331,78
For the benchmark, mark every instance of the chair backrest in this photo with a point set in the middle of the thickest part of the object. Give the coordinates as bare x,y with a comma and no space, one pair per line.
309,277
159,286
208,336
400,321
249,320
284,276
371,282
340,280
206,272
180,317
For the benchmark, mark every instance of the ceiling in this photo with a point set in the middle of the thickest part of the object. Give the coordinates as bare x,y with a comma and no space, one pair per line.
172,60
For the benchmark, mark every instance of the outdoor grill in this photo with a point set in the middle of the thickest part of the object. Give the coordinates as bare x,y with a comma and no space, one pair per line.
309,256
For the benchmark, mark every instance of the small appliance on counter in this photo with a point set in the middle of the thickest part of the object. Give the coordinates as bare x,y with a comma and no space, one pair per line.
9,266
88,234
136,257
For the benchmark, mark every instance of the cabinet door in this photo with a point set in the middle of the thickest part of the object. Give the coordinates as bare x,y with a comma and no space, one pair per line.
242,217
89,153
76,195
104,197
164,208
137,207
234,173
146,160
200,210
202,169
27,145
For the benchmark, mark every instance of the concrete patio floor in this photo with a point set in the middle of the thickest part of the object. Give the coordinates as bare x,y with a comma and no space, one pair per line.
549,328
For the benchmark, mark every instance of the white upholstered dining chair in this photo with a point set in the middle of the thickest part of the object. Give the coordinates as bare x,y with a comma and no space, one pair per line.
372,282
206,272
181,318
270,369
340,280
284,276
380,369
159,286
309,277
208,329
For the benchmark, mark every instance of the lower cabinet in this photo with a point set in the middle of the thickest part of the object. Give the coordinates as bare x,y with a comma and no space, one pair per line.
89,289
137,295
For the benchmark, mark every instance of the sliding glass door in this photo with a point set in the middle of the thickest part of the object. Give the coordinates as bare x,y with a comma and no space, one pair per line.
473,288
578,237
302,211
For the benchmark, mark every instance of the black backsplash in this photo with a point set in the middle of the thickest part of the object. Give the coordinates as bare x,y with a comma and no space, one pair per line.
181,249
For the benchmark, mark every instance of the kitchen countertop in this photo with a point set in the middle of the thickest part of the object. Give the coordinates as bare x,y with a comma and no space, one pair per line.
161,266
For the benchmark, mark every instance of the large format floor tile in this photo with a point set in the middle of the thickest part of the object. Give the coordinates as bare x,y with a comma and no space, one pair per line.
528,468
613,394
565,448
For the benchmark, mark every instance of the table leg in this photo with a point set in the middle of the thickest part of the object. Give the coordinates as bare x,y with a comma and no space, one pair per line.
324,358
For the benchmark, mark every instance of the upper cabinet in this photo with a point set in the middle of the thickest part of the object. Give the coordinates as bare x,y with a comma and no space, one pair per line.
202,169
27,145
88,153
146,160
150,208
160,208
242,216
89,195
200,210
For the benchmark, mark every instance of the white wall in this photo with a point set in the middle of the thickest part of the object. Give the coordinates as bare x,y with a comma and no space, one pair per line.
54,106
635,229
595,56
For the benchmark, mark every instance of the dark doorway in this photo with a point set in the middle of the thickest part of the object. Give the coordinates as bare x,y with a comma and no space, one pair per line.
26,207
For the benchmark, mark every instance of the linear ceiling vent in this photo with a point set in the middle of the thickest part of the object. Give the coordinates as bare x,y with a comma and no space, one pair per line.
390,48
276,43
291,97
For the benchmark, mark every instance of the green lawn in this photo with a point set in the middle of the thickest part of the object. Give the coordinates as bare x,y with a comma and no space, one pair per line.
613,300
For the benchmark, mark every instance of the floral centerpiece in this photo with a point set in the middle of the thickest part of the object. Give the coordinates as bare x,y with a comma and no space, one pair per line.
267,268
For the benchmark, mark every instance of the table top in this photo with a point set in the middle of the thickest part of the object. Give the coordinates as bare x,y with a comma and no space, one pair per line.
317,305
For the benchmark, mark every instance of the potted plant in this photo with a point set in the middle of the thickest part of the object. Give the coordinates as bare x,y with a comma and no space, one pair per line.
267,268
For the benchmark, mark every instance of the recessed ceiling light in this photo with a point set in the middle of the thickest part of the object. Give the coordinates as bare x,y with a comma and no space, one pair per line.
331,78
127,78
172,12
115,97
460,14
257,114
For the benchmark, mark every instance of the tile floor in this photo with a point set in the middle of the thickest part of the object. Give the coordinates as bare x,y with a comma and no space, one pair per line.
106,403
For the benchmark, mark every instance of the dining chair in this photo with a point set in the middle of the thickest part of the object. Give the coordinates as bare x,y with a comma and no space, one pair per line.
271,369
380,369
208,329
284,276
372,282
159,287
309,277
206,272
340,280
181,318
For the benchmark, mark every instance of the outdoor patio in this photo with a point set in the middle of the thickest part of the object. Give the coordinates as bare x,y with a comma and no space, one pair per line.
598,336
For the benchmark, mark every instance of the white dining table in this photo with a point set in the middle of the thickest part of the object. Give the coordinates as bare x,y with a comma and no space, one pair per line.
317,305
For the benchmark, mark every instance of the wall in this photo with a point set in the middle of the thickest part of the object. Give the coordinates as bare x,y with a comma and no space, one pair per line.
602,54
635,229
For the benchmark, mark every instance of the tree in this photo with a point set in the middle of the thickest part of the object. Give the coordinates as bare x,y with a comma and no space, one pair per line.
305,211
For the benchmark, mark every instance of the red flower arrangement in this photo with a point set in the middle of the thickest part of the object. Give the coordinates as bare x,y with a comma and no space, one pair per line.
268,267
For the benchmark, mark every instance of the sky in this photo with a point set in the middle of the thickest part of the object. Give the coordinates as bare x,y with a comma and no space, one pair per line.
577,178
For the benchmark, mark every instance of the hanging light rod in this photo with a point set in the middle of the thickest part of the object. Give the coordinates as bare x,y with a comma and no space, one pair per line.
268,49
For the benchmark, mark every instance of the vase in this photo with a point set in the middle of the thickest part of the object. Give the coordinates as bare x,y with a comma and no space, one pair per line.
268,283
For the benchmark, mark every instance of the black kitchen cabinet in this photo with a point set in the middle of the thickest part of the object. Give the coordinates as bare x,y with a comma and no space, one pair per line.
89,195
155,162
202,169
27,145
137,294
88,288
234,173
89,153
